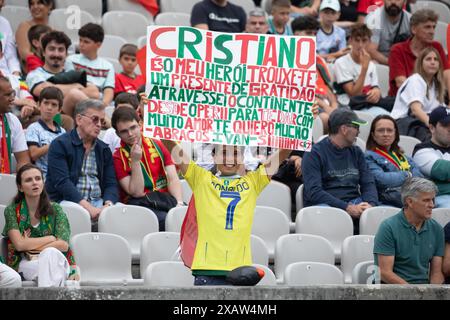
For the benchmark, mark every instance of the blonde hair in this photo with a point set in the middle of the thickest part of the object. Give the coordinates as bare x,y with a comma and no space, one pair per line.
438,78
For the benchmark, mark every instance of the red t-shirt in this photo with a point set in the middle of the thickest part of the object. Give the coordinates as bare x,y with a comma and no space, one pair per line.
123,169
321,83
367,6
127,84
33,62
402,60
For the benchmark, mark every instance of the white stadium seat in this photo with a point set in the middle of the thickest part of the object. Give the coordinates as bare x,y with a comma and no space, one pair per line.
312,273
133,223
331,223
103,259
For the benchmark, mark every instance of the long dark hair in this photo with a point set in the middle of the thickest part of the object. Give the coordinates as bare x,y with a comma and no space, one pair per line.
44,208
371,144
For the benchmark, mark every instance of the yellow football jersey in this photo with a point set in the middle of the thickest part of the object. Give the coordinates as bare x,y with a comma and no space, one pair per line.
225,209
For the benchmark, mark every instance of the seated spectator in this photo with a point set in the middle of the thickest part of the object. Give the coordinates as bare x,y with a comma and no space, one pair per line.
356,76
24,106
325,97
349,15
290,170
128,80
39,233
403,55
218,15
54,46
10,61
123,99
9,278
446,262
36,59
335,172
80,166
144,168
387,162
40,134
331,40
408,247
279,22
12,138
389,25
305,8
433,156
365,7
100,72
40,11
257,22
420,94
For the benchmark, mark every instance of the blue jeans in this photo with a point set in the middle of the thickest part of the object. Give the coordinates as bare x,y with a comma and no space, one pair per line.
211,281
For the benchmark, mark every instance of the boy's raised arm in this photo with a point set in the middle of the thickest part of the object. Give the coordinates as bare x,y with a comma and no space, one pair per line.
180,157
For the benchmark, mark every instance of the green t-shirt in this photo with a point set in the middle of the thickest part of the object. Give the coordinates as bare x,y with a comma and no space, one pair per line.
413,250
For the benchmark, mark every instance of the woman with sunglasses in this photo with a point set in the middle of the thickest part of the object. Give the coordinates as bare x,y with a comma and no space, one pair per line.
38,233
387,162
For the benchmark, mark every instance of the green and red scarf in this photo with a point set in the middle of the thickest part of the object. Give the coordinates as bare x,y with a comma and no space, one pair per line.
153,181
5,146
398,160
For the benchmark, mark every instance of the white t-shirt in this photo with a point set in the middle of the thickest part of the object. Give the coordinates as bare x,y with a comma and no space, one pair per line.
111,139
347,70
18,141
99,71
10,62
414,89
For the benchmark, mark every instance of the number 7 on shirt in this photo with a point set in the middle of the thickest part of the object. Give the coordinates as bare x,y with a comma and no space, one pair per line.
236,197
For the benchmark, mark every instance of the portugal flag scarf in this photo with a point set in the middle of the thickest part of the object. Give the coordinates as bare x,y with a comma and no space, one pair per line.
152,180
398,160
5,145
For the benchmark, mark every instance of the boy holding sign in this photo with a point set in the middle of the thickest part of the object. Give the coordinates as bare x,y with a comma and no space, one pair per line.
225,205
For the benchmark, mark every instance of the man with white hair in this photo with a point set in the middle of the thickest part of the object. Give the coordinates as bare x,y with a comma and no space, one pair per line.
257,22
408,247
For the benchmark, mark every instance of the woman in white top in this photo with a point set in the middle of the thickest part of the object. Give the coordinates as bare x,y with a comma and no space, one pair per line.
420,94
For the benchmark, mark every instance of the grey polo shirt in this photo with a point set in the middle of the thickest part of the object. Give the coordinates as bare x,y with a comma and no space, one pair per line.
413,250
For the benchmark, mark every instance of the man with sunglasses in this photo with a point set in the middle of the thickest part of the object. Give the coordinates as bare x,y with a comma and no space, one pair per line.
80,166
335,172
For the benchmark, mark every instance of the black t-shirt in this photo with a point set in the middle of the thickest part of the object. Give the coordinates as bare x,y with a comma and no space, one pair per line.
301,3
349,13
231,18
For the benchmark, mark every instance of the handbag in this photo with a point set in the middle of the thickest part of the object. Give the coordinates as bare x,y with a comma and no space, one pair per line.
32,255
360,102
400,37
163,201
391,196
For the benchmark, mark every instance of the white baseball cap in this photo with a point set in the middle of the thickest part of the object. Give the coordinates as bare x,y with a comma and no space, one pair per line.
332,4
